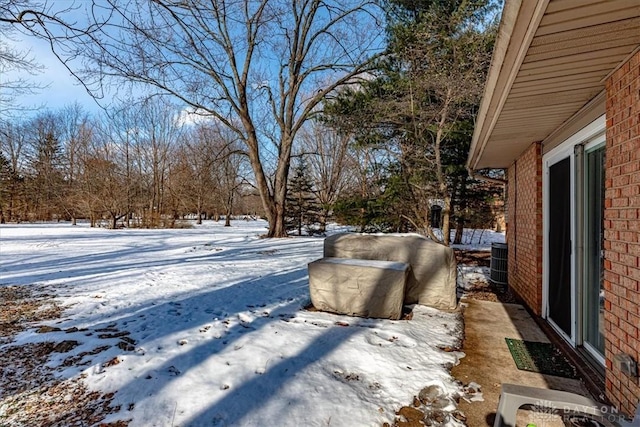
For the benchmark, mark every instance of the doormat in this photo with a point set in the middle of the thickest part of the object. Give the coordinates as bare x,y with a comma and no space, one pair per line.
541,357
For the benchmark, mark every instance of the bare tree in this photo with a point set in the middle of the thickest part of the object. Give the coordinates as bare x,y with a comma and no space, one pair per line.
193,185
120,126
245,62
101,181
12,148
15,64
76,133
157,130
143,135
228,170
327,151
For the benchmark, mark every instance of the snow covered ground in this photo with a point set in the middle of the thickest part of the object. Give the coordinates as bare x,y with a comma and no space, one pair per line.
478,240
475,240
207,326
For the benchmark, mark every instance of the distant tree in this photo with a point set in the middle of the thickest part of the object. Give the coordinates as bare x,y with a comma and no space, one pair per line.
101,181
143,135
121,126
158,129
302,206
6,176
13,142
330,164
359,202
76,132
229,170
182,185
46,178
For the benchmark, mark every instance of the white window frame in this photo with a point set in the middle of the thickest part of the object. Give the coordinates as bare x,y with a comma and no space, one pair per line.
566,149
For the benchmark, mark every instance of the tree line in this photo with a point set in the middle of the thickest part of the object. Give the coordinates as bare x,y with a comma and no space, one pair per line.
140,165
148,163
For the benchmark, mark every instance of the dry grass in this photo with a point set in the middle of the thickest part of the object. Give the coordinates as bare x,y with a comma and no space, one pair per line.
30,392
21,306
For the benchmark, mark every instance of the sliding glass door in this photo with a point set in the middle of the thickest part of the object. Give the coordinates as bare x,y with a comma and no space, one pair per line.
593,288
559,245
573,217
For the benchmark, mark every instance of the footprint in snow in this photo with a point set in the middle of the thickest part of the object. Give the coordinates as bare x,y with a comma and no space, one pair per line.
384,339
245,320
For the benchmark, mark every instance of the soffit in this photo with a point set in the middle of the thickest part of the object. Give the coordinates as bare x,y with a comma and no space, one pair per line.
554,58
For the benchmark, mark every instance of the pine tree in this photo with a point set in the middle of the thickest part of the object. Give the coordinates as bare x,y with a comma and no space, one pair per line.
5,182
48,177
302,207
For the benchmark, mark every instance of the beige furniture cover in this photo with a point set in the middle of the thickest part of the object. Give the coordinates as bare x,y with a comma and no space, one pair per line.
432,277
358,287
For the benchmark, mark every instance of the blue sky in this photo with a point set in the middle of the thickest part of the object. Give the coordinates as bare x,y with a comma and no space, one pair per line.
62,88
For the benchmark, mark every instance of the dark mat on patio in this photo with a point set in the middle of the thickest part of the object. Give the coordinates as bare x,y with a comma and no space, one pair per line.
541,357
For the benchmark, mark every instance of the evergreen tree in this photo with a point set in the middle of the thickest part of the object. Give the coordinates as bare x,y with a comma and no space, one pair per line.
427,90
302,208
6,177
48,177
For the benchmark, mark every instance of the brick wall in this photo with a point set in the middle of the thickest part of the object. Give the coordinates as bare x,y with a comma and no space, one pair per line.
524,227
622,231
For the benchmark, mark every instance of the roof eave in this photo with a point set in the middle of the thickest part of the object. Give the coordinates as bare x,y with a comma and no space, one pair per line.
518,25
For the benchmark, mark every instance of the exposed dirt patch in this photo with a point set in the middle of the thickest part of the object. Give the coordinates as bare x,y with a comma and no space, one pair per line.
482,290
27,384
22,305
473,258
486,291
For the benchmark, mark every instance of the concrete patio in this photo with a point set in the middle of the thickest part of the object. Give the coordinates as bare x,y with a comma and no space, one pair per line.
489,363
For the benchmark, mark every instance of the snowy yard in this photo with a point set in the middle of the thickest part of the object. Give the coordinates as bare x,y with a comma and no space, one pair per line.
207,326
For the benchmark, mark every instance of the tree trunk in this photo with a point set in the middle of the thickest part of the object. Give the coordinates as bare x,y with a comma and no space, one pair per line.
457,240
442,184
227,218
323,220
446,220
199,209
277,226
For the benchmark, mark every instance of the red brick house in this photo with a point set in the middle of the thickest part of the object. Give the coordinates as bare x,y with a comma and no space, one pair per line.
561,113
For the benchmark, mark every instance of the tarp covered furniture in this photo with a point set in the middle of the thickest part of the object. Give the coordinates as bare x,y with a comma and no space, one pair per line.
365,288
431,279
